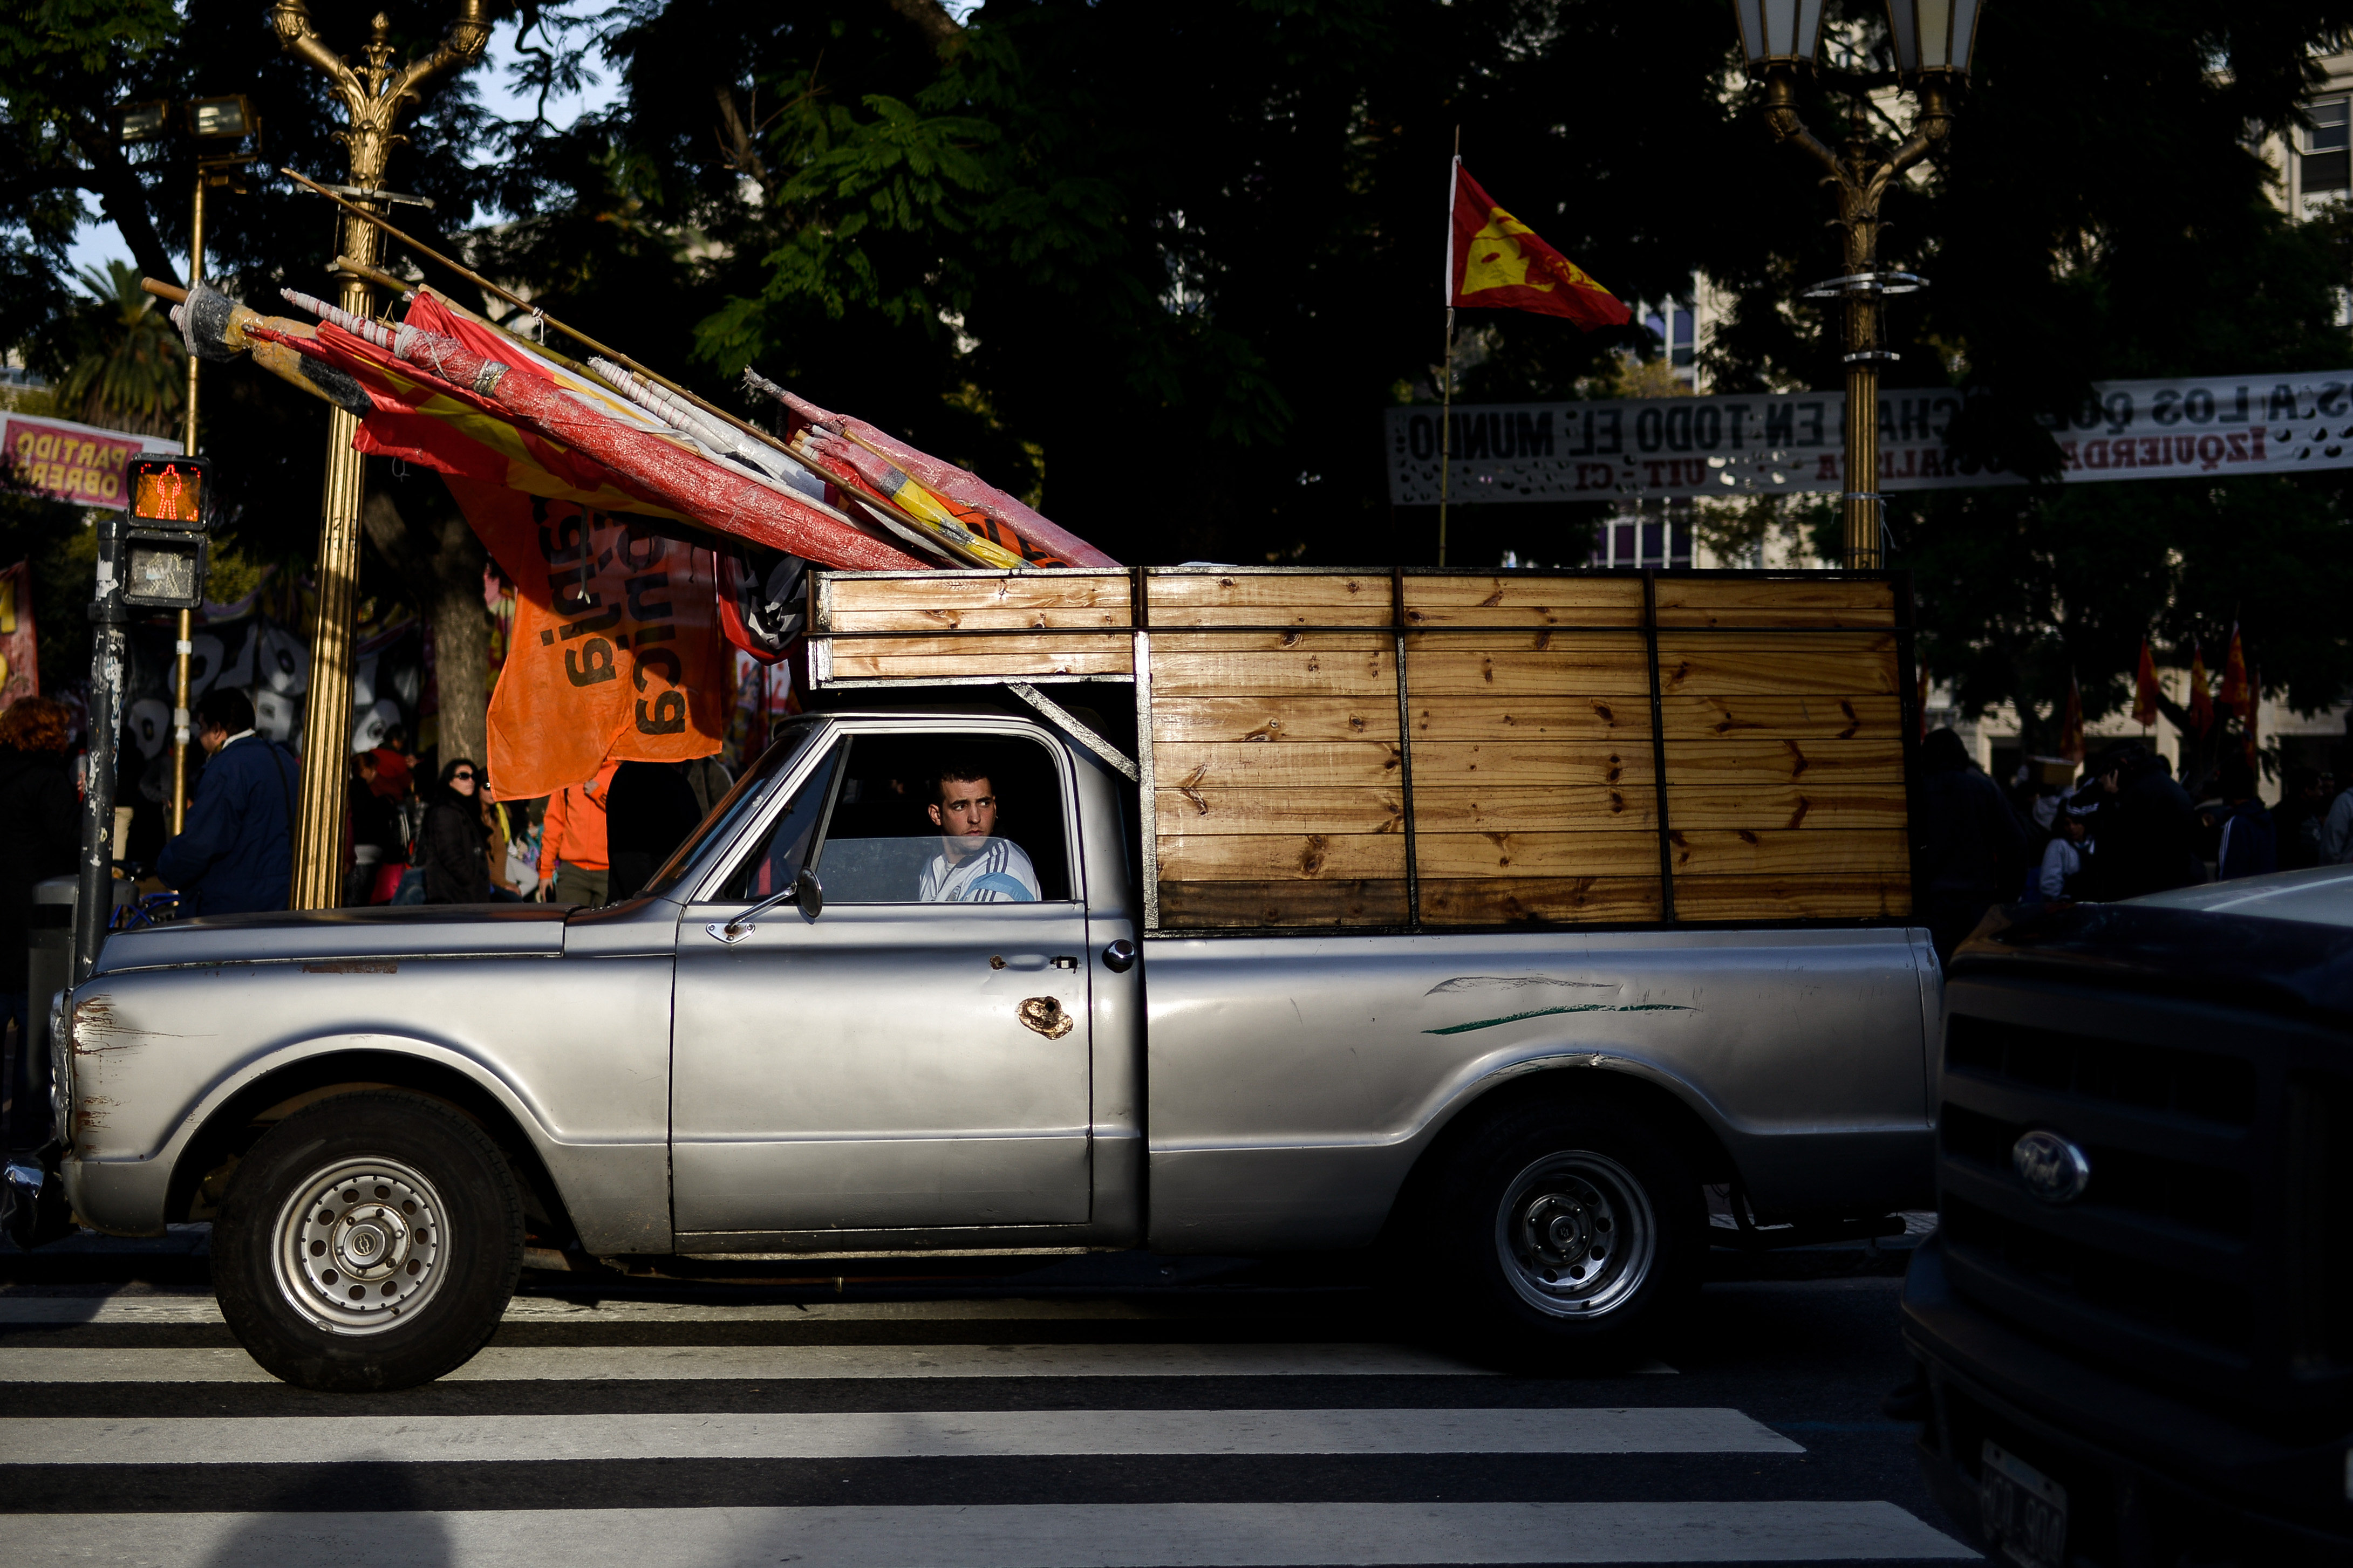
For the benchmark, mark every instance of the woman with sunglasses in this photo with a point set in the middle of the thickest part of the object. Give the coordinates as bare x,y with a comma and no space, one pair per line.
454,842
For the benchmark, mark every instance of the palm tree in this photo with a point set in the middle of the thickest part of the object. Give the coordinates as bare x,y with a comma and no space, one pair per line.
133,370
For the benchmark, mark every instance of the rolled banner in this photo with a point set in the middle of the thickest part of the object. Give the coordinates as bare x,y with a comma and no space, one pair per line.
665,473
944,479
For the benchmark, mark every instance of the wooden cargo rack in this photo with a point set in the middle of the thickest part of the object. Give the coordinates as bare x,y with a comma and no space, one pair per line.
1414,749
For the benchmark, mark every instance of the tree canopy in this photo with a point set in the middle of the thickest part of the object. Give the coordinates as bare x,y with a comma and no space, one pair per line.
1160,268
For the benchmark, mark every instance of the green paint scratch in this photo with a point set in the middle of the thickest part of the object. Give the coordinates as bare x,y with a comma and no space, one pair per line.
1580,1007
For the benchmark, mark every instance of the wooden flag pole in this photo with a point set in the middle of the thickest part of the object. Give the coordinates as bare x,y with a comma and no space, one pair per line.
1446,392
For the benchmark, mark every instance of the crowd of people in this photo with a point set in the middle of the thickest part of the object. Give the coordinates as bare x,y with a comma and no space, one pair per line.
2126,828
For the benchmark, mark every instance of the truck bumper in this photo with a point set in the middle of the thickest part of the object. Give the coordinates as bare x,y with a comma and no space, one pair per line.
2150,1479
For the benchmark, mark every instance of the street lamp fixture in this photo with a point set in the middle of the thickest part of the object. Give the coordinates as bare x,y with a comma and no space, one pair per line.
1933,41
142,121
220,117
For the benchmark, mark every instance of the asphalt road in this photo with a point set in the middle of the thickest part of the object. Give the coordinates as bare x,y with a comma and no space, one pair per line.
1140,1412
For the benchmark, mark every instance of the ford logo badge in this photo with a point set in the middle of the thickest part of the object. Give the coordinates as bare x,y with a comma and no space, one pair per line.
2053,1169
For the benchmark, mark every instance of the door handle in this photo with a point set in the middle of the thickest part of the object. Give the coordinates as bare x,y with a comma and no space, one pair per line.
1119,957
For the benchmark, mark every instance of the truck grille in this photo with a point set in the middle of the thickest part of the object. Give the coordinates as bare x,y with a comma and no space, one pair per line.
2212,1239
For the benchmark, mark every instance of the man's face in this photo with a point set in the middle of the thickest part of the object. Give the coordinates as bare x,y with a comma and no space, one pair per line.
967,810
212,739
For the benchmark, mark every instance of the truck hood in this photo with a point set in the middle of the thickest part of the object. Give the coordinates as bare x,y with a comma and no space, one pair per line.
2295,968
475,931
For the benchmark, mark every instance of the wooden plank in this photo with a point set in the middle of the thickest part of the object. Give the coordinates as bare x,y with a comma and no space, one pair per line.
848,664
1314,809
1194,906
1282,599
1780,716
1539,901
1717,664
1568,808
1270,718
1790,897
1761,764
1188,670
1531,764
1749,852
983,618
1593,664
1299,765
1276,856
1538,853
1773,602
1784,807
980,590
1522,600
1505,717
1052,645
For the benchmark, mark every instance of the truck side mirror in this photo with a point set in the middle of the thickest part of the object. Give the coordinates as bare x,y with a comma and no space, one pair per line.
808,894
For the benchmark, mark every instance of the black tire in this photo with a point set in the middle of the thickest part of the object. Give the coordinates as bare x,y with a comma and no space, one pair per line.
1591,1191
398,1262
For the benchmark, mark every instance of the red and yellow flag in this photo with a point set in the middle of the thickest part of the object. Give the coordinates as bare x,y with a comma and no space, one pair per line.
2236,697
1493,259
2144,711
2202,702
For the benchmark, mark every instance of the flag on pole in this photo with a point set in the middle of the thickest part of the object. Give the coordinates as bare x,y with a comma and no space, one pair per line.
1493,259
2145,689
2071,727
2247,720
2236,699
2202,702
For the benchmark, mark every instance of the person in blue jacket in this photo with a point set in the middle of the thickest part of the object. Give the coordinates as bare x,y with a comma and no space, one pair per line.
2250,843
237,851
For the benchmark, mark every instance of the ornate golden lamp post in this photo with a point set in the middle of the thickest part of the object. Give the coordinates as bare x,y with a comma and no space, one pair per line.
374,95
1933,40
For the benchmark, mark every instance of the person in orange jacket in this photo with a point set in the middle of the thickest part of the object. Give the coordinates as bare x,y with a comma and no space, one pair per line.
573,866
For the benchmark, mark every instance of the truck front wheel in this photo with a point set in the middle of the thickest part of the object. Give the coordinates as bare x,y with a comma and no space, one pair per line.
1561,1228
369,1241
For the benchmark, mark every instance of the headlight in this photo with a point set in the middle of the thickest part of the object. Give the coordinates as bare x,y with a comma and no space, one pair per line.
62,1066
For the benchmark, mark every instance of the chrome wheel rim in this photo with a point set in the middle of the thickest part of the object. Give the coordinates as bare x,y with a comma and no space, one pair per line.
360,1245
1575,1235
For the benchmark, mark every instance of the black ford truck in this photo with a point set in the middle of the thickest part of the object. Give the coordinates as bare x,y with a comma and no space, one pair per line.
2136,1315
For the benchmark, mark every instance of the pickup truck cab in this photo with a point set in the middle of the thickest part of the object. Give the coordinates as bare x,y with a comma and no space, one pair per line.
782,1047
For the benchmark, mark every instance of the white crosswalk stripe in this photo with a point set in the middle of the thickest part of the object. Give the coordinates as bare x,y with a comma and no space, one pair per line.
894,1434
657,1433
652,1363
1118,1535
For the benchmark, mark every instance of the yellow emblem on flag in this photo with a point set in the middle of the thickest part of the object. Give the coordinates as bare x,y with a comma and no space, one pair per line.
1497,261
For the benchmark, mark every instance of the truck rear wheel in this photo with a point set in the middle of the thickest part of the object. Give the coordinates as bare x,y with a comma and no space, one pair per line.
370,1241
1560,1228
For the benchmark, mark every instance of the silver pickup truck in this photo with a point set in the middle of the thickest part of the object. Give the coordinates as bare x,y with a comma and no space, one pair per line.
782,1049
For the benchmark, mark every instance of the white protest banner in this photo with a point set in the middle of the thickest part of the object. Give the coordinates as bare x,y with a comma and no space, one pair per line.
1785,443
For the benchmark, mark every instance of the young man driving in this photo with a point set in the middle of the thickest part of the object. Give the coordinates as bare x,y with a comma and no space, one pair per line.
973,866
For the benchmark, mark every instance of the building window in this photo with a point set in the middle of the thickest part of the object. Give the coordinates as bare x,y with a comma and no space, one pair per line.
2328,165
1646,540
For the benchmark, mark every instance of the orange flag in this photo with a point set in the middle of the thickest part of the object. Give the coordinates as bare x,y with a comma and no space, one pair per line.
2236,699
2202,702
1495,259
616,653
2071,727
2145,689
2247,724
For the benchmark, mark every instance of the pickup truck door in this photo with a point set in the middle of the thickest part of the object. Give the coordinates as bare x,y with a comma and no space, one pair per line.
888,1064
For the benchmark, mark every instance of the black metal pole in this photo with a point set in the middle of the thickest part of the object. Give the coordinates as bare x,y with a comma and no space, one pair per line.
94,903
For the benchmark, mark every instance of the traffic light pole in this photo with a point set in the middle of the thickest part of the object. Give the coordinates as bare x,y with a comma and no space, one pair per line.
94,903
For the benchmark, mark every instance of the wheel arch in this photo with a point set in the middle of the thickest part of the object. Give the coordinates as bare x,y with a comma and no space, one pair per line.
201,1171
1643,1094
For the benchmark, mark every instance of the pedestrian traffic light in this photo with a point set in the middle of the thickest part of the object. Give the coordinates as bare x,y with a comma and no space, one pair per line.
166,543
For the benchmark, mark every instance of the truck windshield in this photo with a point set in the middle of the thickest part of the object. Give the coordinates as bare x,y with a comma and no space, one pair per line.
792,735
